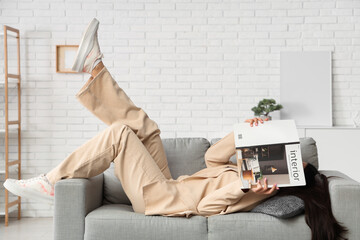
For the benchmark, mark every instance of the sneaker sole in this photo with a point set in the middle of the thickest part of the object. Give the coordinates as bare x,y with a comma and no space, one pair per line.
25,193
85,45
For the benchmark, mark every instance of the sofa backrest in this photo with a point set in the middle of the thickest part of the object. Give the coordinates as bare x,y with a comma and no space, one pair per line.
186,156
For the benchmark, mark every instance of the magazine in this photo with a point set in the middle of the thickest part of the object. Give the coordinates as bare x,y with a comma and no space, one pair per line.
270,150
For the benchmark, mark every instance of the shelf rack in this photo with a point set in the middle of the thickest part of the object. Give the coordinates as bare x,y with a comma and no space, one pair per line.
9,79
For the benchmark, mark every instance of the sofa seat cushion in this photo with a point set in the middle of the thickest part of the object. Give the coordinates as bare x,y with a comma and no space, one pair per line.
119,221
245,225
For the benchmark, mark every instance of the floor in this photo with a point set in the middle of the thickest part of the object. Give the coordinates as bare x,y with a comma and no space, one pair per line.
27,228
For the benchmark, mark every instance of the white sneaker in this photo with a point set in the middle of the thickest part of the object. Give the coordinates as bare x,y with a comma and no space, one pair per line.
89,50
38,188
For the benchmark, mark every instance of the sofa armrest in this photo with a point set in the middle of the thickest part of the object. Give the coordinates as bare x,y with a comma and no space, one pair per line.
345,201
74,199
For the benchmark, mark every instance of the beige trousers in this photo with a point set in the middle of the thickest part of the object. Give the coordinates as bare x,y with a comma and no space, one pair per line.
131,141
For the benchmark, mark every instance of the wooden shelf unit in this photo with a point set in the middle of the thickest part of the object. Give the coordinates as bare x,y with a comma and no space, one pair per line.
4,83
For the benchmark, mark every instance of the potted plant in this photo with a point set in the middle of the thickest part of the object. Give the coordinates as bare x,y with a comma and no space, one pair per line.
265,107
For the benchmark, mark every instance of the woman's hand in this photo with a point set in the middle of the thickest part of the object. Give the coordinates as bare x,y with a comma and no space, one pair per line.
256,121
259,189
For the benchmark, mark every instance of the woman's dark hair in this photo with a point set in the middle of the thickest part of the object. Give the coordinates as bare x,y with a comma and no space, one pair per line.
318,212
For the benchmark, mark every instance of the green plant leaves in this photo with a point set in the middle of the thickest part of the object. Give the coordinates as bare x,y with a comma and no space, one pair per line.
266,106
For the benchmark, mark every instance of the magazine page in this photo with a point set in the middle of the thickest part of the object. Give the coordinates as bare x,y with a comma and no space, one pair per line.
270,150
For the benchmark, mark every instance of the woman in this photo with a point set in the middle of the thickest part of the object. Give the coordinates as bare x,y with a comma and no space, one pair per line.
133,143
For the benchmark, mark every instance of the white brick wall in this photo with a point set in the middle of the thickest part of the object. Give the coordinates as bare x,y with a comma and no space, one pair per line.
196,66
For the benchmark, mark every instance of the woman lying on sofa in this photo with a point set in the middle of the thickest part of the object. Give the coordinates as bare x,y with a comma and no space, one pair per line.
132,141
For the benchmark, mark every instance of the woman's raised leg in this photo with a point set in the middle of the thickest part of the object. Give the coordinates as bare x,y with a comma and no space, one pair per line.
102,96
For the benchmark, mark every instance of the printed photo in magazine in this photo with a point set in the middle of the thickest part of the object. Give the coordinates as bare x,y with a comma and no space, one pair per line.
270,150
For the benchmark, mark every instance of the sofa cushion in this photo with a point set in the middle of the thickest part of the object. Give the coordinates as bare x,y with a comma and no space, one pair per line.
185,157
281,206
308,151
246,225
118,221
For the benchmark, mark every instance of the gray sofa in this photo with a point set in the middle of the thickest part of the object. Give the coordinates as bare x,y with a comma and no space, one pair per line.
98,208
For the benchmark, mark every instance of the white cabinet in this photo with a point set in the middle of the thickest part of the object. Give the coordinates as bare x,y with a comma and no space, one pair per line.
338,149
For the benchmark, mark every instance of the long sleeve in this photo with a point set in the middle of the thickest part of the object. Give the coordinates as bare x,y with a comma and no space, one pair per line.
221,152
218,201
229,199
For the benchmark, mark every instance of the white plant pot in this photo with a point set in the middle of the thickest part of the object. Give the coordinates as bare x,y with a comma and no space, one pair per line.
264,117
